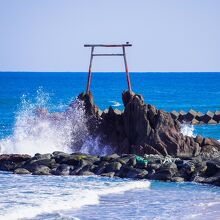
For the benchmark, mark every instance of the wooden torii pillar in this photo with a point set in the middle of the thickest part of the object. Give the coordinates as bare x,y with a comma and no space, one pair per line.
108,54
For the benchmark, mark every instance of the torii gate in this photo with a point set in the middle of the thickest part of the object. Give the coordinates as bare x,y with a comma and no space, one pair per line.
108,54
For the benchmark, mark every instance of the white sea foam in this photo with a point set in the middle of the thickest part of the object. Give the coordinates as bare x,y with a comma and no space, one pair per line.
126,187
55,195
115,104
45,133
187,130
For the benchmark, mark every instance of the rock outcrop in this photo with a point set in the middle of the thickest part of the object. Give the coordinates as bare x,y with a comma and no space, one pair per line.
143,129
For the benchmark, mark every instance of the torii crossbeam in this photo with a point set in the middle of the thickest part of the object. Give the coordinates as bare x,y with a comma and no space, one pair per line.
108,54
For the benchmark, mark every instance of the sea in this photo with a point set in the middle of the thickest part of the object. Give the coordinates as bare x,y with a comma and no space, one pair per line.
75,197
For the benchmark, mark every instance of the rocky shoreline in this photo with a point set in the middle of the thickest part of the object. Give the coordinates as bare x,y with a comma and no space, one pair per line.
153,167
146,142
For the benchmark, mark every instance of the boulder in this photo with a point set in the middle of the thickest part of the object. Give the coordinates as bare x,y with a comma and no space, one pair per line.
113,167
41,170
87,173
152,167
130,172
8,162
73,159
110,174
123,160
101,168
21,171
58,156
187,169
110,157
177,179
213,167
46,162
62,170
42,156
215,180
165,172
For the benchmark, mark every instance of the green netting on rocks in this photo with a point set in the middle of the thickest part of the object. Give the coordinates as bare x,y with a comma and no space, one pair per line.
141,160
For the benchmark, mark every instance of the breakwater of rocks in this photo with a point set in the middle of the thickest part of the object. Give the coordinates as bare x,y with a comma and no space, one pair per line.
154,167
196,118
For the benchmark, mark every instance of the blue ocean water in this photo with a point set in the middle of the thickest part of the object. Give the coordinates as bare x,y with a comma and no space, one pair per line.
168,91
53,197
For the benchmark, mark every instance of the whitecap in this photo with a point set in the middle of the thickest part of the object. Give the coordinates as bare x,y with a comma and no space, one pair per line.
187,130
115,103
55,194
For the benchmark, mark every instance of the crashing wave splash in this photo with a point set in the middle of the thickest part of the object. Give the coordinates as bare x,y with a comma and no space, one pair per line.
37,131
187,130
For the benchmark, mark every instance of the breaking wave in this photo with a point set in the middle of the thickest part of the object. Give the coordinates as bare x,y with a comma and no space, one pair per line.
188,130
115,104
37,131
64,194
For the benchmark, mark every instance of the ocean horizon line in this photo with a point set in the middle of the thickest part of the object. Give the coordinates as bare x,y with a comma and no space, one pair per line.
109,71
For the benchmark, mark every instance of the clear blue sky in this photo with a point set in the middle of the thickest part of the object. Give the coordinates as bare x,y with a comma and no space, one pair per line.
167,35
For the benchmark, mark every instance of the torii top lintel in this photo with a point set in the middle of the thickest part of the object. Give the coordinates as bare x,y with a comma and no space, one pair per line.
108,45
108,54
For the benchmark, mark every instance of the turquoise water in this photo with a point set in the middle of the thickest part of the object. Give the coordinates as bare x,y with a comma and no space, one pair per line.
39,197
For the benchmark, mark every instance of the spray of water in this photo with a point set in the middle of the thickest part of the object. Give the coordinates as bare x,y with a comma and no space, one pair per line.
37,131
187,130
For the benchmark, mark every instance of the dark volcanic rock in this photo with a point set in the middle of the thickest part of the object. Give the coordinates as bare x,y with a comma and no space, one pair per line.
41,170
213,167
62,170
151,166
113,167
8,162
165,172
136,173
142,129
